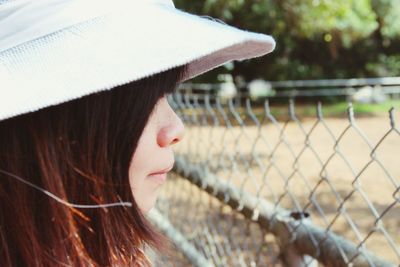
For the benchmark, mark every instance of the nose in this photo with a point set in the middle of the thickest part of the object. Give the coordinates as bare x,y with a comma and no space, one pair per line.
172,131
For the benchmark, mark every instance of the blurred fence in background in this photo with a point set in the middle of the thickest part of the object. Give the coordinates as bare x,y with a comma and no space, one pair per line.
368,90
251,190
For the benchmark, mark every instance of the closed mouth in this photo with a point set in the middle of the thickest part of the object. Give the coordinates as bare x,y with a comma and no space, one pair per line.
163,171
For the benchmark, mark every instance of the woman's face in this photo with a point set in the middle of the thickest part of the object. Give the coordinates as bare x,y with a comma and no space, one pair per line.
154,157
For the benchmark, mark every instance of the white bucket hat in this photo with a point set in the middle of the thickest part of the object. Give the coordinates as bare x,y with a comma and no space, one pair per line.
52,51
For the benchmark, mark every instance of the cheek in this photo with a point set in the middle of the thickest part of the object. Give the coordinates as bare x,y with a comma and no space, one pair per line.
139,165
143,191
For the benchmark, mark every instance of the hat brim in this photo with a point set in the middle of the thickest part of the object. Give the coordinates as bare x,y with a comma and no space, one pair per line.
116,49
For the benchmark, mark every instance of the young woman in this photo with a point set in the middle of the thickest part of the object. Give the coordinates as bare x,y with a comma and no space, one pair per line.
81,164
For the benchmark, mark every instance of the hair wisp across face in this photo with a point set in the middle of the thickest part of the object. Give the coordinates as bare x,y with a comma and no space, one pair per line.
80,151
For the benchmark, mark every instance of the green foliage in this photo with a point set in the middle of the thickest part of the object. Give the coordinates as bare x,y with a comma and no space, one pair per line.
315,38
388,13
385,65
345,20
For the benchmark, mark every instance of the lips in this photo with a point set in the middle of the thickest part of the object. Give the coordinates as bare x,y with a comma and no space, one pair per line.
163,171
161,175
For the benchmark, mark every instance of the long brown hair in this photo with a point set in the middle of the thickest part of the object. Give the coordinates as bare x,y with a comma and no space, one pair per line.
79,151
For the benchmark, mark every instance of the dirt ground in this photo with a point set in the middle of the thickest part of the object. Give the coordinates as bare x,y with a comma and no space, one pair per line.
346,174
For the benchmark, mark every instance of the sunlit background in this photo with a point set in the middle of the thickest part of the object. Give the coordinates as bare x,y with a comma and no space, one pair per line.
291,159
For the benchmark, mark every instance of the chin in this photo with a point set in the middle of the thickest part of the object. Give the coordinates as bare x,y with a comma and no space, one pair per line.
146,206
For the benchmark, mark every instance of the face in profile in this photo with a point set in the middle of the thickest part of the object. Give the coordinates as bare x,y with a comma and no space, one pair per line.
154,156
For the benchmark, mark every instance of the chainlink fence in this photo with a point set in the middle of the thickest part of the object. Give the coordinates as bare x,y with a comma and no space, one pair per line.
255,188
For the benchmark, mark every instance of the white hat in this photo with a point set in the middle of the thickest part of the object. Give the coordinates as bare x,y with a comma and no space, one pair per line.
52,51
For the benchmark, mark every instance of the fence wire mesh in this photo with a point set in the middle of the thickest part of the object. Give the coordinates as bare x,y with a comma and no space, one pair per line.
253,189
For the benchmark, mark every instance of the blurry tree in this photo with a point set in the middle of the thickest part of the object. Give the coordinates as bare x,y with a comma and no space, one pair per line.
388,19
315,38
